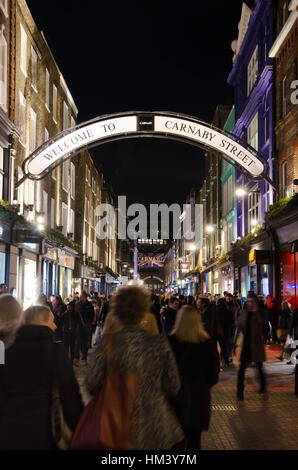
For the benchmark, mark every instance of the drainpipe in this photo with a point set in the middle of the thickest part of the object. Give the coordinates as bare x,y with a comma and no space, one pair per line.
274,238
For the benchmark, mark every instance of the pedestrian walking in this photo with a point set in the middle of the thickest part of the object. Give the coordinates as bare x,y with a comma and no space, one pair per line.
10,319
70,329
85,312
233,307
58,307
226,321
293,331
252,325
153,423
3,288
155,310
168,315
285,321
34,364
104,311
95,303
198,369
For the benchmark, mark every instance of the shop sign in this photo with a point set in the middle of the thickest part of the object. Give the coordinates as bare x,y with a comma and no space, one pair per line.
67,261
51,253
251,256
27,236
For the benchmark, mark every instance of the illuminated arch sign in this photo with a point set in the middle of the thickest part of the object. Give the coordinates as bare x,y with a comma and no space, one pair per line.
144,124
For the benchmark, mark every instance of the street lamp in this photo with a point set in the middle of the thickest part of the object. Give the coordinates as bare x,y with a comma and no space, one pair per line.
240,192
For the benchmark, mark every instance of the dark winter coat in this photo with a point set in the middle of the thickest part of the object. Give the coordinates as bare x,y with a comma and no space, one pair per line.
256,345
32,365
197,364
167,320
58,312
85,312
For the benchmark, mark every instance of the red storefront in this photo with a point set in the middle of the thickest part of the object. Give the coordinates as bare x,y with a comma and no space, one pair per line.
289,278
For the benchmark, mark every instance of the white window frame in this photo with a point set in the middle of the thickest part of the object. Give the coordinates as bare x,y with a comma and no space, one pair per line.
55,103
253,132
46,134
33,133
284,96
34,69
64,211
284,178
86,177
65,176
72,122
23,52
65,116
47,96
252,71
1,171
253,207
72,180
72,222
86,210
3,71
52,212
45,205
4,7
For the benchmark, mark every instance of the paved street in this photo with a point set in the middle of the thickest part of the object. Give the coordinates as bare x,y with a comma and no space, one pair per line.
259,422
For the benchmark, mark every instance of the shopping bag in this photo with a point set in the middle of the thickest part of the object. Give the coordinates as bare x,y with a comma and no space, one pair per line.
105,423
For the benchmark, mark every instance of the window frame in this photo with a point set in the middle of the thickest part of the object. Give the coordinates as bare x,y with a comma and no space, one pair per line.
252,71
47,90
23,52
3,43
34,69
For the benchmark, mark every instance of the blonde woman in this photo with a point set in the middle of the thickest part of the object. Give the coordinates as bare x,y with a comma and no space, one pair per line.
197,365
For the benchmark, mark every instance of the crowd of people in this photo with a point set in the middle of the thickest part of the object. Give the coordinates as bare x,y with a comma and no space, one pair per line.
171,347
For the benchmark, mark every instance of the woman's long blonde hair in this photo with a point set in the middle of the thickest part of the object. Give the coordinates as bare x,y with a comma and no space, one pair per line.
189,327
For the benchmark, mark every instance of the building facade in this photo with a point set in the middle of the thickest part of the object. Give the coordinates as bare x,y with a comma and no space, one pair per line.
252,77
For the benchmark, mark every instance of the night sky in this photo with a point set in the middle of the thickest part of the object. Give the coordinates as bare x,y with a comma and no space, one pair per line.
144,55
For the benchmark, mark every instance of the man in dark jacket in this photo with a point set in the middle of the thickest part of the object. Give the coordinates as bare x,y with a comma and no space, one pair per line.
251,324
33,364
85,312
168,316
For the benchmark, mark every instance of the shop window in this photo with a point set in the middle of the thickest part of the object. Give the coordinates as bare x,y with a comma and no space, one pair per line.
252,71
2,268
30,283
3,71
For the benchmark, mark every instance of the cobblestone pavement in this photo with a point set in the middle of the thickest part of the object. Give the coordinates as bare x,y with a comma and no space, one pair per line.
260,422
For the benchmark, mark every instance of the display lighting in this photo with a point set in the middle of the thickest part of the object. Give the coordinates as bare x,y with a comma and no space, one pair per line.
209,229
254,222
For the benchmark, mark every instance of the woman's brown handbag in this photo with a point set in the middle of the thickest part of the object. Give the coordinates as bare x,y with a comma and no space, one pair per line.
106,421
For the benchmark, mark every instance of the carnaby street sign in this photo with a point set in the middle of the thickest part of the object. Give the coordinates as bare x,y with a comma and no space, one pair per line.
144,124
